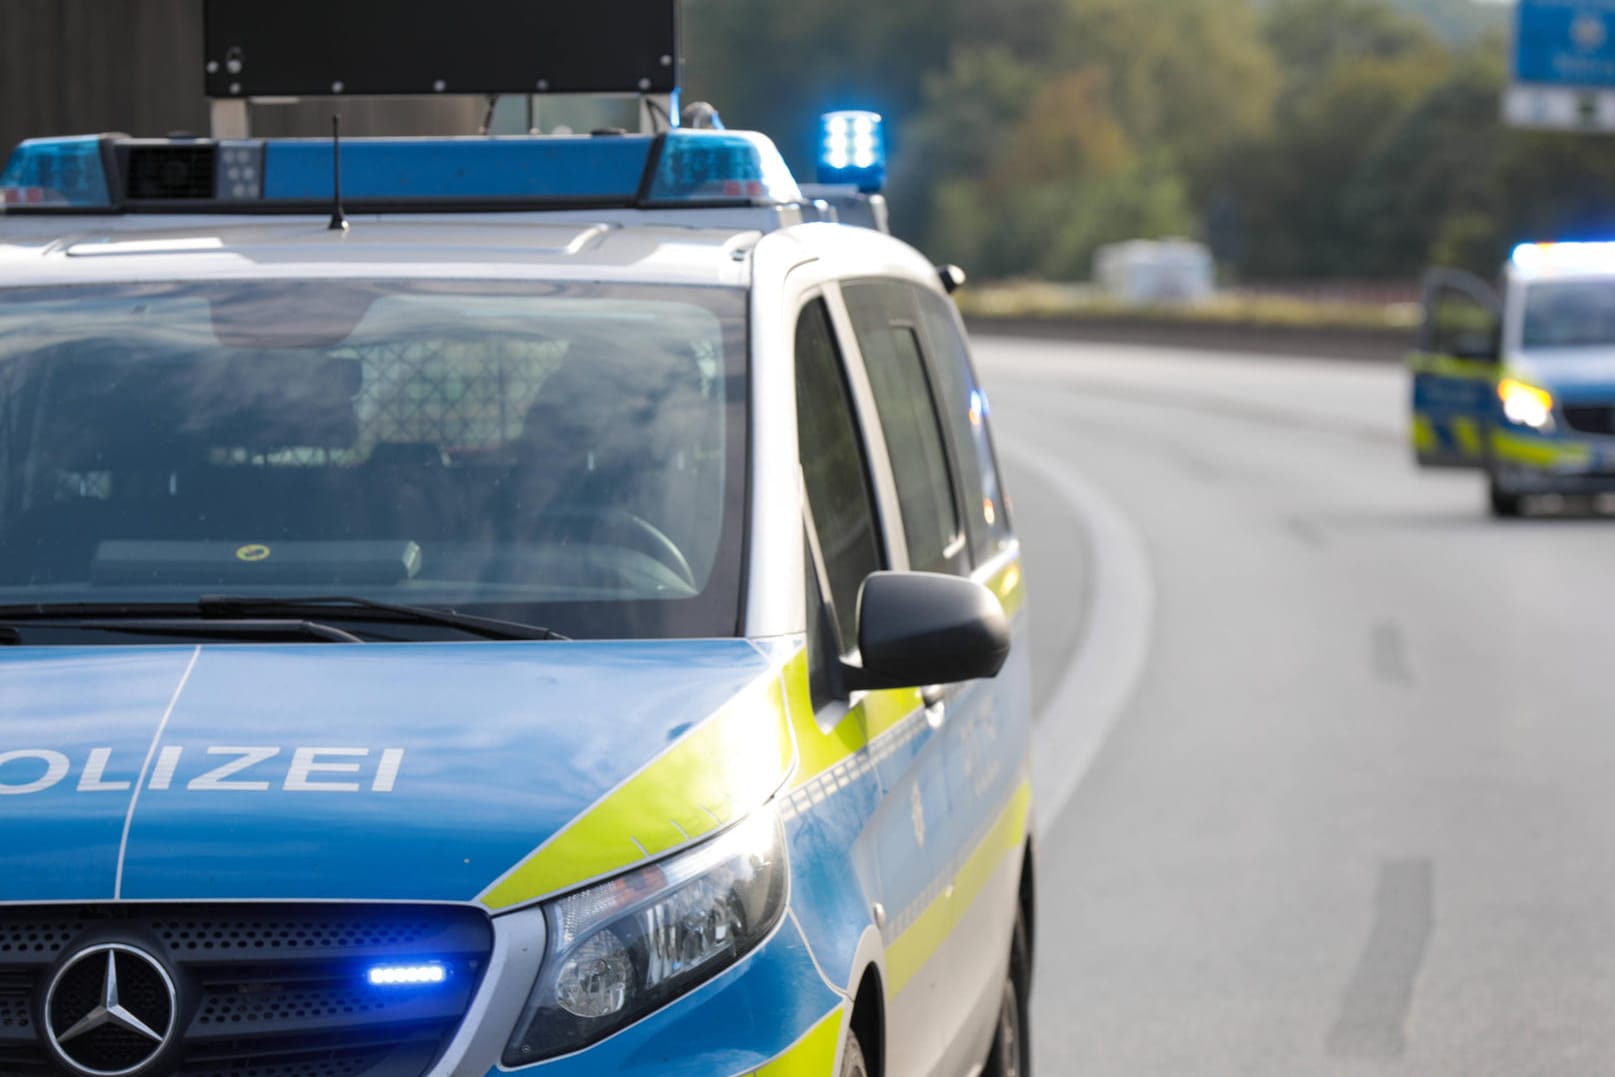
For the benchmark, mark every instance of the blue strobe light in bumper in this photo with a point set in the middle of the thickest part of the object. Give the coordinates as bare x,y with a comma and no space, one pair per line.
418,975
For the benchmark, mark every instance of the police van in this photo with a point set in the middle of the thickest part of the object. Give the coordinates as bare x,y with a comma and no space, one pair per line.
1520,382
687,729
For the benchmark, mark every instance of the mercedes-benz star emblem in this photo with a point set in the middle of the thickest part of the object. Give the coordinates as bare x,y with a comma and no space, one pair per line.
110,1010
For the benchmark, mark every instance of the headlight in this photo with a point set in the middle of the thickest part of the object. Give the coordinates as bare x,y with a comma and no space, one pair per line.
626,947
1526,405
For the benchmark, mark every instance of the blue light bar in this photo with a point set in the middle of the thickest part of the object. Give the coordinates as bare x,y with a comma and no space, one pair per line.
425,974
681,167
852,149
66,172
1565,257
721,166
607,169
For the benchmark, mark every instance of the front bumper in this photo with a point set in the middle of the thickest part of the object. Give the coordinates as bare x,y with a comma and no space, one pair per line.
1528,462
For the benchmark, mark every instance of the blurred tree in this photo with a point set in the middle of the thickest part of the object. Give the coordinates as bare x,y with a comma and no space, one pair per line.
1350,70
1188,77
775,65
1427,190
1303,138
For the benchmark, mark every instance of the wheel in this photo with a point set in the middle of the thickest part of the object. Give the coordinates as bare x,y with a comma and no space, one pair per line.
1504,504
640,534
1011,1052
852,1059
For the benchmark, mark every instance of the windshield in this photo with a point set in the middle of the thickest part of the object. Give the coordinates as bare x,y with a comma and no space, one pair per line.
1570,314
570,456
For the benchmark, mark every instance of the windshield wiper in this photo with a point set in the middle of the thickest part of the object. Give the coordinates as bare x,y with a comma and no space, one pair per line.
350,607
249,608
257,630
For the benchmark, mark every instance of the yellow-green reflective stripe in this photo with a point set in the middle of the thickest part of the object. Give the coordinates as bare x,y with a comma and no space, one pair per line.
817,750
1447,366
1424,435
1515,449
725,767
1468,434
814,1055
1010,587
883,710
909,952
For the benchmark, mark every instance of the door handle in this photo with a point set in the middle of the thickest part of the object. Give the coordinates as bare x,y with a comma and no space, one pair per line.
936,705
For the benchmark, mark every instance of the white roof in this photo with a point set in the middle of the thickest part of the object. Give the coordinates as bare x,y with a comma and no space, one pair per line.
62,250
1562,261
625,246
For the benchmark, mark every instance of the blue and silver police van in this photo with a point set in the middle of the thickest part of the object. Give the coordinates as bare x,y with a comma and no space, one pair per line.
1519,381
482,604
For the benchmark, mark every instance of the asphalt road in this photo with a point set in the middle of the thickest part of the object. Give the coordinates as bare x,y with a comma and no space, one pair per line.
1325,754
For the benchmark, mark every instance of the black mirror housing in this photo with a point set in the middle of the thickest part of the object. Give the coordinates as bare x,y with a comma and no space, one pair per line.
923,628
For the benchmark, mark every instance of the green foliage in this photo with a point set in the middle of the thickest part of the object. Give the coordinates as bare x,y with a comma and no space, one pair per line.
1302,138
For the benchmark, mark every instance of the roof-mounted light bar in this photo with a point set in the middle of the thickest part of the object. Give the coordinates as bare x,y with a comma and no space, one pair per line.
1565,257
111,174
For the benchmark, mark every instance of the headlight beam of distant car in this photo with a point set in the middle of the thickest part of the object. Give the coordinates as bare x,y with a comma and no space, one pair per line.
1526,405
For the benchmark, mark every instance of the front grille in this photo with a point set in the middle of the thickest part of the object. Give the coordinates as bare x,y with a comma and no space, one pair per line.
1590,418
169,172
264,990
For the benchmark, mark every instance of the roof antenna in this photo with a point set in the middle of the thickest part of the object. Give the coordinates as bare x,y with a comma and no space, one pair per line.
339,220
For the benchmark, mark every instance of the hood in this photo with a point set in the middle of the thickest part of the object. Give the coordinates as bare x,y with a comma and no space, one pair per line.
383,772
1572,373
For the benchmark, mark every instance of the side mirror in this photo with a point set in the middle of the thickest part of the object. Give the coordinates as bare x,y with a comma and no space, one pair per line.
921,628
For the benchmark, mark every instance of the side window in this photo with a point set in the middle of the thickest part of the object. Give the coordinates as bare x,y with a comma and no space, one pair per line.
883,318
965,408
1459,318
834,469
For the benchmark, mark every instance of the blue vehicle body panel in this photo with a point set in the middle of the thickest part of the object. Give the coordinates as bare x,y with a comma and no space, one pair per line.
503,744
61,843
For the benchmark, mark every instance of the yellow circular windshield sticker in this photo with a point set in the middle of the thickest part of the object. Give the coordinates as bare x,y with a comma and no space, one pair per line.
253,552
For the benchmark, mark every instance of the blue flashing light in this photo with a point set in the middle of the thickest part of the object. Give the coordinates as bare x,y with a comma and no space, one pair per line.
1563,257
852,149
68,172
421,975
721,166
607,169
681,167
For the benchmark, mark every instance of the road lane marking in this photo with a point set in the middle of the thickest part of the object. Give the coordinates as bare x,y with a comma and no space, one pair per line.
1110,654
1372,1022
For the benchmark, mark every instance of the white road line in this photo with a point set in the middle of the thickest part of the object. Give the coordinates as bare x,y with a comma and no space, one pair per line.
1109,659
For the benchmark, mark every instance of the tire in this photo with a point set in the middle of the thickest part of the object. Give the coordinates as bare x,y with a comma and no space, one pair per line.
1504,505
1011,1052
852,1059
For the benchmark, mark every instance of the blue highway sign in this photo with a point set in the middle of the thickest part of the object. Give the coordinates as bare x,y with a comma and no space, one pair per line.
1565,43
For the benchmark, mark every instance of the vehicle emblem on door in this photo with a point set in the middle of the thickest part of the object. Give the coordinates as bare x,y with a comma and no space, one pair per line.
110,1010
252,552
